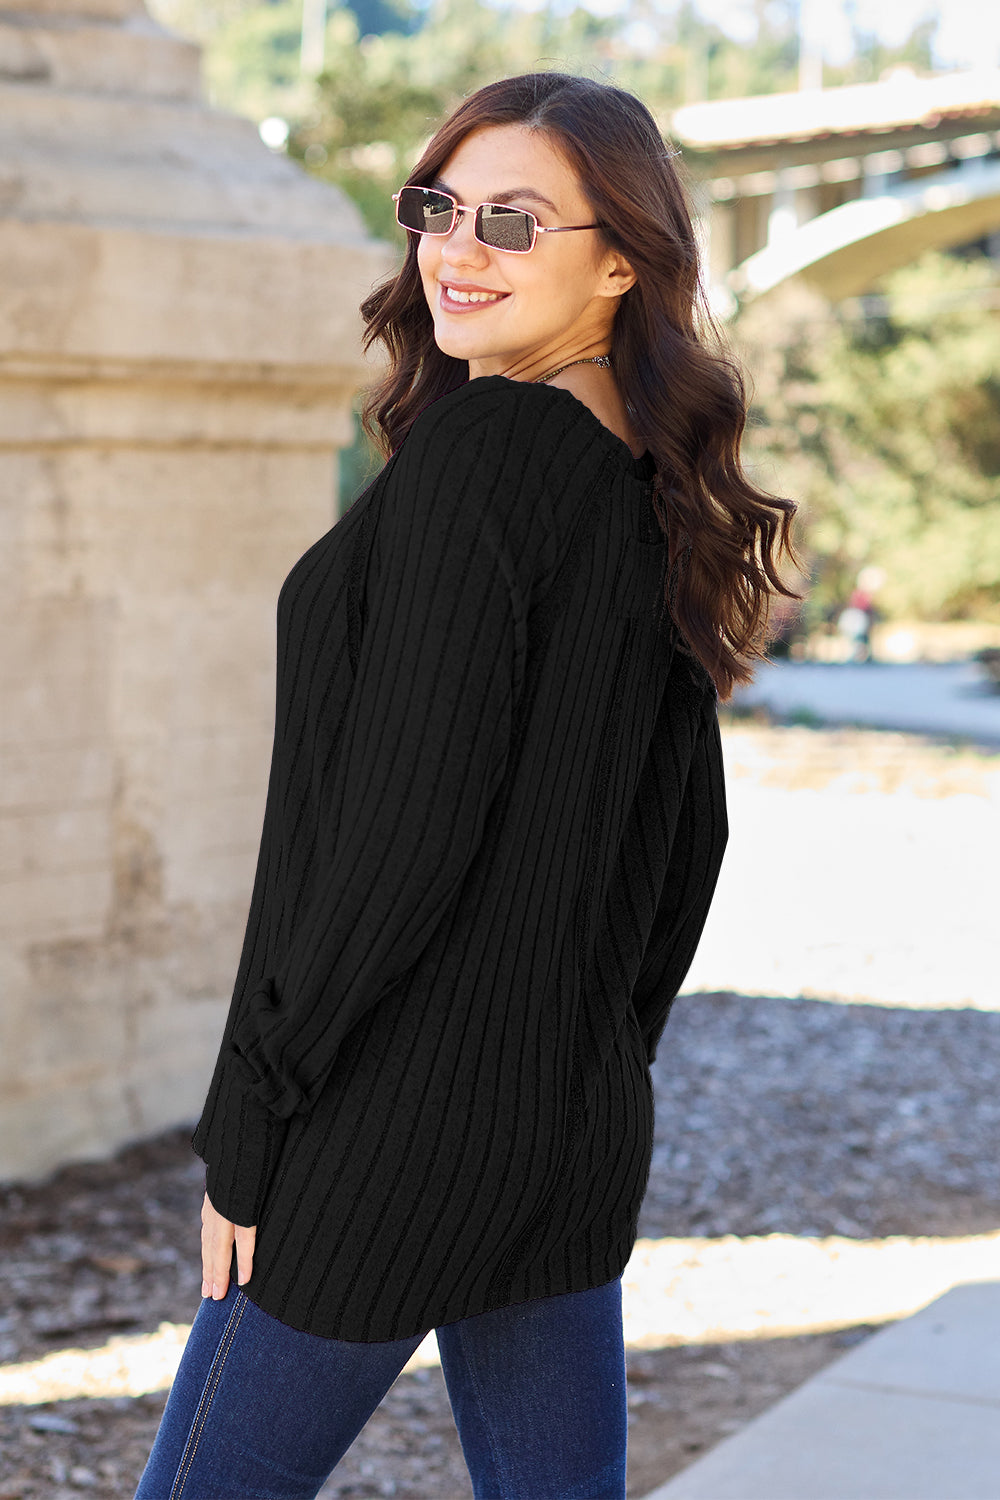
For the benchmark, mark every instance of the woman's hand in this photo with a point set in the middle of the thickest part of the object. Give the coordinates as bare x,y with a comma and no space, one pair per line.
217,1235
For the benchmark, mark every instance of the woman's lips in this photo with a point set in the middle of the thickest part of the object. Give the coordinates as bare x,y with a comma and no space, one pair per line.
448,305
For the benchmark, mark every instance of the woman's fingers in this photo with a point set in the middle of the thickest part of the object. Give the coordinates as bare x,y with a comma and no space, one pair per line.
245,1241
217,1236
216,1251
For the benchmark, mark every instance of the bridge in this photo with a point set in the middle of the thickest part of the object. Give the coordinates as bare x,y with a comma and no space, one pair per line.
828,189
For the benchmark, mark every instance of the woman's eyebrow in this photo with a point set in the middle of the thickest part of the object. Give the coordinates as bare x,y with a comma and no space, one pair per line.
507,197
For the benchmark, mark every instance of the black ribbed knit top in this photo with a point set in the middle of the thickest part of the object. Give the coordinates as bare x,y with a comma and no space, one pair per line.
494,821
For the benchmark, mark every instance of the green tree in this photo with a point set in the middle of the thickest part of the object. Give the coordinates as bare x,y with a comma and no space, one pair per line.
666,55
251,65
376,16
872,57
885,425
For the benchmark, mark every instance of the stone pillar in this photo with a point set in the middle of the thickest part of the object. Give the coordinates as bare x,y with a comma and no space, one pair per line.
179,347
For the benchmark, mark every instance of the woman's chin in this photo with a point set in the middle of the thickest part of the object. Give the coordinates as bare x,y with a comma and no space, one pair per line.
458,348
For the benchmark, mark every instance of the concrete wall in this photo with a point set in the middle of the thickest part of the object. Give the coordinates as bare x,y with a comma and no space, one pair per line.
179,347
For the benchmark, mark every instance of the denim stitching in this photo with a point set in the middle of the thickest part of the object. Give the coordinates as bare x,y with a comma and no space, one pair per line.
483,1411
208,1395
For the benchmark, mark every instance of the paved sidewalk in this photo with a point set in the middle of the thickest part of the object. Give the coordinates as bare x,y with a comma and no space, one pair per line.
911,1414
949,698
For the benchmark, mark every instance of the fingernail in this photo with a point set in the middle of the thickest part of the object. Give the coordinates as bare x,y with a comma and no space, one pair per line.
215,1291
205,1289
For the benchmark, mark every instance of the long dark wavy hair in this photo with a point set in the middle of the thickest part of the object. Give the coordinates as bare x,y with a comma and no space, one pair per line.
686,395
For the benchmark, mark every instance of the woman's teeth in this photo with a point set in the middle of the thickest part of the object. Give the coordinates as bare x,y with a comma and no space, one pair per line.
456,296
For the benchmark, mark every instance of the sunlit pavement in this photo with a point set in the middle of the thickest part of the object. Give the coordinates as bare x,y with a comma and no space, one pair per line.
949,698
911,1414
859,868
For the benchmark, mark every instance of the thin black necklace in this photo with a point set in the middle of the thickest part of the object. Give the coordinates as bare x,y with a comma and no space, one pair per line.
604,360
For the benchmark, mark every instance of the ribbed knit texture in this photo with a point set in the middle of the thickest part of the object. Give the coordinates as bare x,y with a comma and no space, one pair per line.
494,823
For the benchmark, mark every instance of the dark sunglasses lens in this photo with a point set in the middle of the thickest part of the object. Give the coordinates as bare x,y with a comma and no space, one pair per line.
426,211
505,228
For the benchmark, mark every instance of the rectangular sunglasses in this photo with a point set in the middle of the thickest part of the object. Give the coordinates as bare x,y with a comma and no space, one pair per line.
430,211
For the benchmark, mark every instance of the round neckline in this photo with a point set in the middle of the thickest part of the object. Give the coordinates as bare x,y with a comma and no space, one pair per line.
641,469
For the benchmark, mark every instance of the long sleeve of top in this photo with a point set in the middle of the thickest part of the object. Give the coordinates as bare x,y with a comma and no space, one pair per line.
423,747
494,819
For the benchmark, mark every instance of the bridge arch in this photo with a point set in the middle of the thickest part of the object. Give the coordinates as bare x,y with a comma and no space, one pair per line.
828,189
842,252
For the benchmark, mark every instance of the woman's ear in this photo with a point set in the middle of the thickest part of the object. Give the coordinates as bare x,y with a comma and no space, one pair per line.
619,275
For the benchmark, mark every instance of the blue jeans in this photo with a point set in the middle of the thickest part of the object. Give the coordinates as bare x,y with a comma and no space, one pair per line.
261,1411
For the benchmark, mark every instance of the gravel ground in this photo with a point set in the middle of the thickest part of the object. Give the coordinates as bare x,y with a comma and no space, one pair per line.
808,1117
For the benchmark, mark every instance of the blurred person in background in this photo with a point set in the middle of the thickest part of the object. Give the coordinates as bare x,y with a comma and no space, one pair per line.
855,622
494,822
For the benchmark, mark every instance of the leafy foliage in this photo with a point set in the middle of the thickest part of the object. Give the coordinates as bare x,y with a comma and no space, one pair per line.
395,67
257,61
885,424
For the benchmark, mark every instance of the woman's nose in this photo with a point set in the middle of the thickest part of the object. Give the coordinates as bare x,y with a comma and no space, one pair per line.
461,244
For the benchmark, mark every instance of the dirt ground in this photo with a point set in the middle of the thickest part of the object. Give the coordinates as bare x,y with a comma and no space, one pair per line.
113,1248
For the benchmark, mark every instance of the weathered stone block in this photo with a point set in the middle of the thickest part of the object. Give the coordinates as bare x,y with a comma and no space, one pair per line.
179,350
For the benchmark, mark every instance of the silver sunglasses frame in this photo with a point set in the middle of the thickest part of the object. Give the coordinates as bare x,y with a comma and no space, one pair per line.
458,208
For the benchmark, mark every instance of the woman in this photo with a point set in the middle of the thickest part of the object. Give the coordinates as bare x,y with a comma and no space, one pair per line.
494,823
